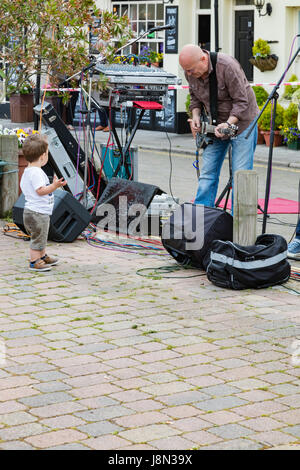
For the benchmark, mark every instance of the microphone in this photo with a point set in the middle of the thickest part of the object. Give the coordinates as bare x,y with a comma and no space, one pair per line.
161,28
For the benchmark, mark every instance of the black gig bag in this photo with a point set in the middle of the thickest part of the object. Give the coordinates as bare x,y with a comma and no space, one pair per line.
188,234
257,266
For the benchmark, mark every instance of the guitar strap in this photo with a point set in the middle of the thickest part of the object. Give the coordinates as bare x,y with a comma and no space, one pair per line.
213,89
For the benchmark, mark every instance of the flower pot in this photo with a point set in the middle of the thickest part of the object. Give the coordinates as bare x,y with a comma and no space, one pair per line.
265,63
277,138
260,138
294,145
56,103
21,108
22,164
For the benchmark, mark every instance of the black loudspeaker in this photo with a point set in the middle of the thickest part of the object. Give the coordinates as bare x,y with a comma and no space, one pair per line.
190,231
123,204
69,218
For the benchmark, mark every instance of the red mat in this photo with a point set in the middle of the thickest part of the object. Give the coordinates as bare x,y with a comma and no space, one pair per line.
275,206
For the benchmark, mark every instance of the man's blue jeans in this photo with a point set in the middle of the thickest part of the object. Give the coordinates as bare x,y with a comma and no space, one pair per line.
212,159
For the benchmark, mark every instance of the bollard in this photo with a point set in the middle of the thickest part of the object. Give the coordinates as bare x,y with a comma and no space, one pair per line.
245,207
9,184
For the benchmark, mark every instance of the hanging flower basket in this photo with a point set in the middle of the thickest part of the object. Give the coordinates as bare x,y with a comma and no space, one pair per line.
264,63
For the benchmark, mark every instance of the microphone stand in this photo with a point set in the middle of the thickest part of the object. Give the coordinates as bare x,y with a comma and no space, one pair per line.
273,96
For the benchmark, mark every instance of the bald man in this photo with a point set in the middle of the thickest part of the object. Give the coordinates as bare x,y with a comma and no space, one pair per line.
236,106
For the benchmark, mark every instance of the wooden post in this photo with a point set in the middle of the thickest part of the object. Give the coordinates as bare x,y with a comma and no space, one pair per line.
245,207
9,183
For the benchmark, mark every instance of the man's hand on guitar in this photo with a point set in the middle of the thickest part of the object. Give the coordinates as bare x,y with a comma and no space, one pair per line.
225,129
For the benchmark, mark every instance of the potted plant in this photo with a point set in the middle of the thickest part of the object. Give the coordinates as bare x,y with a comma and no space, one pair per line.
261,96
265,124
51,37
290,130
21,102
296,101
262,57
149,56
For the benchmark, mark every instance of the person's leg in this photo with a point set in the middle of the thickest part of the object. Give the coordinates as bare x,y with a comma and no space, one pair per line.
103,120
294,246
37,226
212,160
298,230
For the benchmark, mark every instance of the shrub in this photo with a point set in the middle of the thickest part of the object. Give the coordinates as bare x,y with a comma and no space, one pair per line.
290,89
290,116
187,105
260,94
265,119
261,48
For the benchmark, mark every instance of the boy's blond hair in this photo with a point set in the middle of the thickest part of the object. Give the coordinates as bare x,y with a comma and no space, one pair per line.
34,146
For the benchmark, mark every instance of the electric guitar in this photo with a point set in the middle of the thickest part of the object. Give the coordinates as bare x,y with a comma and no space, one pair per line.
207,130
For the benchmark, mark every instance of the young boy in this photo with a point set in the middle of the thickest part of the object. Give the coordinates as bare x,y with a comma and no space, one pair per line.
39,201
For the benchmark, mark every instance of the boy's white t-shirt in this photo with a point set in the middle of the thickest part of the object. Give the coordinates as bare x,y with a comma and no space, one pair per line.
34,178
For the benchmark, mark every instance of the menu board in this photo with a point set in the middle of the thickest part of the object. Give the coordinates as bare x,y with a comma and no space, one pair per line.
171,35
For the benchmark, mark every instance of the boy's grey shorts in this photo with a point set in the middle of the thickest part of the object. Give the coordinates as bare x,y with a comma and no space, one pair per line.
37,226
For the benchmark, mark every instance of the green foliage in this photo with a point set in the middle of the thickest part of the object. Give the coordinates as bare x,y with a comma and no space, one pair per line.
187,105
261,48
264,121
51,37
260,94
296,96
289,90
290,116
24,89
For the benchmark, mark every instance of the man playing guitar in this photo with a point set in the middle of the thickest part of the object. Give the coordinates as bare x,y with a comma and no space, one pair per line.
224,91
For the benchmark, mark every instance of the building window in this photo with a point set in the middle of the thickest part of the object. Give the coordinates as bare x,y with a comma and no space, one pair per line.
205,4
244,2
143,16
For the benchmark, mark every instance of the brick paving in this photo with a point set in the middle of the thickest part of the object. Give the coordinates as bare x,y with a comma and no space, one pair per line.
98,357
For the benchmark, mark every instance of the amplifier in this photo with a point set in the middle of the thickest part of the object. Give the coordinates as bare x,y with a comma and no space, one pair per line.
112,158
64,167
67,222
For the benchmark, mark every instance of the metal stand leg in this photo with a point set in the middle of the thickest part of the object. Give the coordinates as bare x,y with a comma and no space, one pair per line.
228,187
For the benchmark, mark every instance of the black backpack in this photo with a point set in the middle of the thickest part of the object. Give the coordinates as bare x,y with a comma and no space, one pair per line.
188,234
261,265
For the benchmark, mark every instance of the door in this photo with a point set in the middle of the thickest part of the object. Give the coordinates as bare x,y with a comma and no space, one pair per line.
244,33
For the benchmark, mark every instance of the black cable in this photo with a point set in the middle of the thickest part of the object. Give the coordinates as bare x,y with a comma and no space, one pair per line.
167,269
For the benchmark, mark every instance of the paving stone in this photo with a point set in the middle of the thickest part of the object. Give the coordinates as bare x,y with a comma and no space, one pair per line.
141,419
44,399
15,445
294,430
102,414
234,444
262,424
201,438
231,431
22,431
64,421
222,417
148,433
288,417
216,404
17,418
272,438
57,409
182,398
107,443
99,428
220,390
53,438
172,443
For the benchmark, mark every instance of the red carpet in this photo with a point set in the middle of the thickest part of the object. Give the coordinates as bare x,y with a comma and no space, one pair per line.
275,206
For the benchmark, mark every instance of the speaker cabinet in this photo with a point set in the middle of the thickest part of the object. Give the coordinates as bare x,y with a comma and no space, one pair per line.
67,222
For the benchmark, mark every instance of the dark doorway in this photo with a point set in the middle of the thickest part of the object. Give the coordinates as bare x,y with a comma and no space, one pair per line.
244,32
204,31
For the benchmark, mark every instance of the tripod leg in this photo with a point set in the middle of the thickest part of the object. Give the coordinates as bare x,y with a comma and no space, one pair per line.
228,186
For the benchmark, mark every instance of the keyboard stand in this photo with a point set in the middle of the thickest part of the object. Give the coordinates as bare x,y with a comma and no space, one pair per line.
132,127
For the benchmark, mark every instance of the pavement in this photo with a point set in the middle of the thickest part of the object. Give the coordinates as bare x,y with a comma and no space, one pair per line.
110,352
